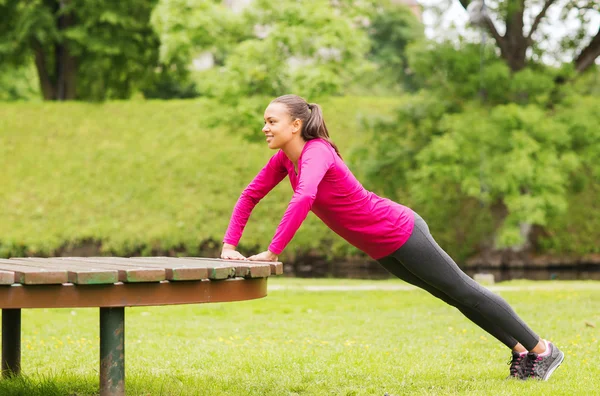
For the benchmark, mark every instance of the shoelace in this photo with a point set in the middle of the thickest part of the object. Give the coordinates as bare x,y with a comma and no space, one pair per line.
515,365
531,364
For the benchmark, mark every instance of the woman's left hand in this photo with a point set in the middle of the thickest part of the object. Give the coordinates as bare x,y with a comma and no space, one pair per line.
264,256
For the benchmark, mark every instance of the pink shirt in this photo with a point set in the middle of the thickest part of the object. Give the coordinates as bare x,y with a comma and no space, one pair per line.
325,185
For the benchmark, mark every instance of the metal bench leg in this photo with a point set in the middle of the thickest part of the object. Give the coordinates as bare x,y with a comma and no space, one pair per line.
11,342
112,351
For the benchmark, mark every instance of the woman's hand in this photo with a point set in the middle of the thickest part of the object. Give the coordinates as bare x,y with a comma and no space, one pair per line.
229,253
264,256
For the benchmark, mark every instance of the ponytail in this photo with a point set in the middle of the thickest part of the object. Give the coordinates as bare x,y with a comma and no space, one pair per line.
315,126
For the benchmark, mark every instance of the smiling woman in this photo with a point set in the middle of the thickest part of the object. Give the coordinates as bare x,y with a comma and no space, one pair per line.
391,233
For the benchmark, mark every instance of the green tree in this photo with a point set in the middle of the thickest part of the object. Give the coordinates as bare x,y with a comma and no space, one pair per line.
462,72
82,49
391,29
513,157
270,48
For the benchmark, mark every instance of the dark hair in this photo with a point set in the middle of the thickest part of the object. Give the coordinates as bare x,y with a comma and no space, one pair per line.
311,115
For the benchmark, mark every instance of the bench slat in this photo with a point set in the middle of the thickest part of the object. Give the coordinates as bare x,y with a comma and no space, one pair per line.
253,270
7,277
77,274
174,271
215,270
34,276
276,266
132,274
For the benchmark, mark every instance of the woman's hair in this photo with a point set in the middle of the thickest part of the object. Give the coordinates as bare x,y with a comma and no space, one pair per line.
311,115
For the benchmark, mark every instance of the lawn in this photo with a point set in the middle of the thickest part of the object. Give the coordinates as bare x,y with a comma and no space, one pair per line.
302,340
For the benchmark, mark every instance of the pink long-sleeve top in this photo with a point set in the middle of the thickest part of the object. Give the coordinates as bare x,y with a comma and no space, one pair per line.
325,185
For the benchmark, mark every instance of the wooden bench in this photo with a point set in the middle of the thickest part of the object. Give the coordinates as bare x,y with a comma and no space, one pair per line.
113,283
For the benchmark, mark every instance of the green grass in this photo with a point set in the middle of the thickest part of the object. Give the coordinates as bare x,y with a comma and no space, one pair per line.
297,342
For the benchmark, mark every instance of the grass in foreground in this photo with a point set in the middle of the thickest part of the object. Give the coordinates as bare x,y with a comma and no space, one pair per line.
298,342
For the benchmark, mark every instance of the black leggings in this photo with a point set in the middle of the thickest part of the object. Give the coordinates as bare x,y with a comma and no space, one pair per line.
421,262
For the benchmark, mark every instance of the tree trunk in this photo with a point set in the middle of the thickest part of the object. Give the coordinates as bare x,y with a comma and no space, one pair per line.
588,55
516,43
66,64
56,67
516,56
41,65
66,72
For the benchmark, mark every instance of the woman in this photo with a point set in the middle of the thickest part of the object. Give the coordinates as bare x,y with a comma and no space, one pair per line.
390,233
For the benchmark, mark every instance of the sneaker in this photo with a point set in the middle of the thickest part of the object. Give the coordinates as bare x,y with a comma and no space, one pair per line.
542,367
517,365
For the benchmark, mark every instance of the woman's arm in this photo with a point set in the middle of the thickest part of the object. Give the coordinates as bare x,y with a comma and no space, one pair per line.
271,174
316,161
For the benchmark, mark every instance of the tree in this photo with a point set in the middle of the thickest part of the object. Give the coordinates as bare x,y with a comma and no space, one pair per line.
82,49
392,28
523,35
270,48
506,165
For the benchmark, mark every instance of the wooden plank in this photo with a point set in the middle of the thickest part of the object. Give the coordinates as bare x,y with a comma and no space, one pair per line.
174,270
215,270
77,274
7,277
128,274
253,270
245,269
34,276
276,266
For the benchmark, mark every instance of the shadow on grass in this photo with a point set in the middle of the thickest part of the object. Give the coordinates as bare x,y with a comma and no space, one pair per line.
56,384
62,384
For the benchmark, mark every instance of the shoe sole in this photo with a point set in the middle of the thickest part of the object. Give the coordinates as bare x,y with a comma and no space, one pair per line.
554,366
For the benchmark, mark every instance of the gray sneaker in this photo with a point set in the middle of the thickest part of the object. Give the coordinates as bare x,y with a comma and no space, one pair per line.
542,367
517,365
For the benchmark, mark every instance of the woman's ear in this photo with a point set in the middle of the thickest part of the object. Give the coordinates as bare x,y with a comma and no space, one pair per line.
297,124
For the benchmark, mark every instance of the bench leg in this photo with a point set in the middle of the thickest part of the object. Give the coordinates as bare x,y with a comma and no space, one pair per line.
112,351
11,342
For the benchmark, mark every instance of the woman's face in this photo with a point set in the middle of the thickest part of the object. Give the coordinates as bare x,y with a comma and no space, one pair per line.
279,127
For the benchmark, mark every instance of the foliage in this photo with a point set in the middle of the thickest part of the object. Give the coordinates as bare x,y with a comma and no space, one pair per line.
578,230
188,27
91,49
514,155
392,28
463,72
18,83
268,49
169,84
510,141
311,48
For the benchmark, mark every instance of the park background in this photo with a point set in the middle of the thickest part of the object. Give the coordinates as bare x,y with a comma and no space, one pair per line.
131,127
